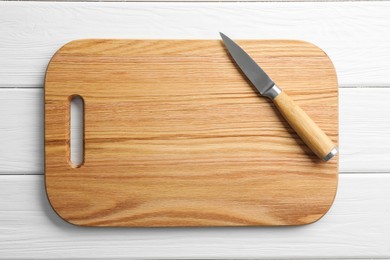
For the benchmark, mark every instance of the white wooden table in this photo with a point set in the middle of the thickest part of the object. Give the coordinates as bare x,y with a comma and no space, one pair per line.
356,35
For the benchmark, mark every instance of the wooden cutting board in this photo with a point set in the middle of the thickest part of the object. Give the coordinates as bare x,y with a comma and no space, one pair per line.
176,136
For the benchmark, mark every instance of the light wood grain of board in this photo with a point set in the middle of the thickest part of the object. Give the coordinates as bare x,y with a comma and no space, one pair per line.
192,152
353,34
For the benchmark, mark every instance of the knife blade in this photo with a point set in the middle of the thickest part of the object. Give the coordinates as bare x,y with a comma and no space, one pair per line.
303,125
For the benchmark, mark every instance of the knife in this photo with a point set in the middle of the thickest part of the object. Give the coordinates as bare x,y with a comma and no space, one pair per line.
303,125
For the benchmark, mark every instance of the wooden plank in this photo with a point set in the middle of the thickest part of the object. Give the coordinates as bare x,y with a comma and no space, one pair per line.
364,130
363,126
21,131
354,34
192,152
356,226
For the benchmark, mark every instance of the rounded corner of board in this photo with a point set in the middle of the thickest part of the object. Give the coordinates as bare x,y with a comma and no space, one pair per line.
308,44
315,46
318,217
326,210
57,210
58,213
73,43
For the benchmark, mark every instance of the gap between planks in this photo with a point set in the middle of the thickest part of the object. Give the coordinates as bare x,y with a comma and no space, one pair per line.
337,27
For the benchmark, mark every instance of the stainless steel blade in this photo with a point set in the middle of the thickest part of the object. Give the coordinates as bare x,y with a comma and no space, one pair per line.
249,67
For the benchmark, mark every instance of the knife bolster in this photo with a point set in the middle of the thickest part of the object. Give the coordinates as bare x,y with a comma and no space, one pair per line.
272,92
305,127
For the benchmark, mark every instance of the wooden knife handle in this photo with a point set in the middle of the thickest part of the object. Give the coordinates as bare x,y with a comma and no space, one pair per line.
304,126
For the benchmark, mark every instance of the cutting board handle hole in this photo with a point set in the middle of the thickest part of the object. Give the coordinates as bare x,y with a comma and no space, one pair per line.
76,143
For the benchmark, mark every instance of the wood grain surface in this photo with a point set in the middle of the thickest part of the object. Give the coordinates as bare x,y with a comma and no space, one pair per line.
175,135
